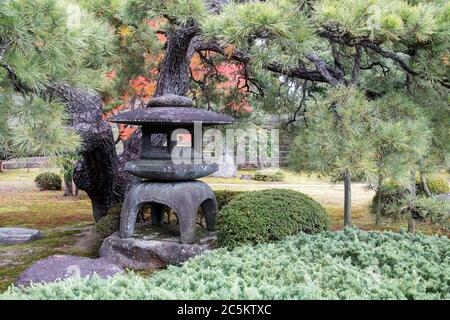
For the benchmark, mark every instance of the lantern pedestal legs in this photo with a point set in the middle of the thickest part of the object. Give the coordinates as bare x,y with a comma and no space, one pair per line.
184,198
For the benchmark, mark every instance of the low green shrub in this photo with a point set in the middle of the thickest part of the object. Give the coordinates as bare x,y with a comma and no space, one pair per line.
436,185
109,224
349,264
48,181
269,215
269,175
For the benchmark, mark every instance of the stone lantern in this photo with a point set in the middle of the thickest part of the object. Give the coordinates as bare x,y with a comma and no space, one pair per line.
170,161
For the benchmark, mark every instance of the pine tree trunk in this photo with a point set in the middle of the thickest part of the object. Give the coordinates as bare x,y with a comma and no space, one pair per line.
411,225
97,171
378,214
2,167
174,70
347,199
423,184
68,187
413,191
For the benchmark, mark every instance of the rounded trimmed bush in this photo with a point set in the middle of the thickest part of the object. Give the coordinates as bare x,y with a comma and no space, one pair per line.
48,181
269,215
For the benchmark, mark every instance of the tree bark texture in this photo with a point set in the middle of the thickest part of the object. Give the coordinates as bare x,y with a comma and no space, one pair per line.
174,69
97,172
423,184
411,225
68,187
379,204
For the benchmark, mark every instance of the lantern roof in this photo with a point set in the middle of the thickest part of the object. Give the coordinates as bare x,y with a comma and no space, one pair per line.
171,109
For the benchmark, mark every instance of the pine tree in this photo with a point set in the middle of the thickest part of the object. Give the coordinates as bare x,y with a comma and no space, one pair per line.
52,54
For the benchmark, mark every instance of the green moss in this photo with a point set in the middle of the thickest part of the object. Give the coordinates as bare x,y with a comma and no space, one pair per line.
16,258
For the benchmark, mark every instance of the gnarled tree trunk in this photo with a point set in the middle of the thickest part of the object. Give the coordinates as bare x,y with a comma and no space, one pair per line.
97,172
174,69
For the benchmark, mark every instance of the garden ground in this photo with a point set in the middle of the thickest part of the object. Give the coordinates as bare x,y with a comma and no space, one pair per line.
66,221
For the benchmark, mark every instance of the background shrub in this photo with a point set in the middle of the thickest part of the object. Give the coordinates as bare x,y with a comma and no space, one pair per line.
48,181
349,264
394,196
269,175
392,193
269,215
436,185
109,224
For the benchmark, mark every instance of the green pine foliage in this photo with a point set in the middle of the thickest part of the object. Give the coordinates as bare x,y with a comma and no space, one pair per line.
44,42
349,264
37,127
269,215
335,139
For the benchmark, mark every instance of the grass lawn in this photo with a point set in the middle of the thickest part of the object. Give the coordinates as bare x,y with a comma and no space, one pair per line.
66,221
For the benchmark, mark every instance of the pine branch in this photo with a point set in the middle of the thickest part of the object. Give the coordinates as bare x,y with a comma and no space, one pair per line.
389,55
16,83
241,56
324,69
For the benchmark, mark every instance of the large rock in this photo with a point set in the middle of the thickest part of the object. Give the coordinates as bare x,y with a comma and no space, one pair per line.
18,235
227,167
153,251
60,267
